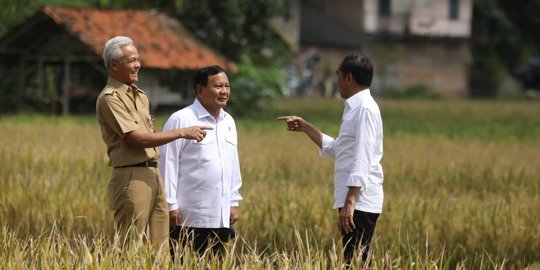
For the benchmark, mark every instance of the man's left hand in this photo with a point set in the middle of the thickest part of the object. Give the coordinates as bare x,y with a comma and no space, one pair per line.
345,221
234,214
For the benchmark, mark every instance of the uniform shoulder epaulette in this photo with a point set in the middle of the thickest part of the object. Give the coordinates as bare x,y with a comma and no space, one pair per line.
110,91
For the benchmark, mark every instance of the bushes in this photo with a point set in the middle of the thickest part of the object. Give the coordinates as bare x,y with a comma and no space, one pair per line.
251,84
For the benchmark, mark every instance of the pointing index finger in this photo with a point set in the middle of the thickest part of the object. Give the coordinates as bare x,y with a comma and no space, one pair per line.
287,118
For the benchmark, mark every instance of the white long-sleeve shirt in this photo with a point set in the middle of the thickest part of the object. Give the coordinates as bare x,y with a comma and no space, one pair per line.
358,151
202,179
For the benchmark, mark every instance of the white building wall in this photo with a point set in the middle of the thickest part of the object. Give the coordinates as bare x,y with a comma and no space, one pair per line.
419,17
431,18
157,94
370,16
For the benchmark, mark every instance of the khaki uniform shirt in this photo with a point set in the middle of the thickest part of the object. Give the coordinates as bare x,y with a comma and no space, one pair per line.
118,114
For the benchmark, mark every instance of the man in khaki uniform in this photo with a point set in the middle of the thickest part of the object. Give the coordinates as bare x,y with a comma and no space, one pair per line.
135,189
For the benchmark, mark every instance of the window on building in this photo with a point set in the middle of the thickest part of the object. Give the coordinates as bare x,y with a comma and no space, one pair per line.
454,9
384,8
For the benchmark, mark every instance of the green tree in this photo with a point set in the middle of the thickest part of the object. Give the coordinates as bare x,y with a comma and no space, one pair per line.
239,30
251,84
15,11
12,12
524,16
235,27
504,36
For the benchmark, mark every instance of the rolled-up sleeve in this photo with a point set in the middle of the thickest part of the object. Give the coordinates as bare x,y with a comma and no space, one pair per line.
363,150
328,146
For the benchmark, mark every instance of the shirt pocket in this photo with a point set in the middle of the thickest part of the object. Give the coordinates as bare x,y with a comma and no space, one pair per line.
231,147
135,117
203,151
207,140
231,138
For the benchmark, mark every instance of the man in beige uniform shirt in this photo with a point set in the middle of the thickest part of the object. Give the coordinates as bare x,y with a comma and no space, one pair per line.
135,189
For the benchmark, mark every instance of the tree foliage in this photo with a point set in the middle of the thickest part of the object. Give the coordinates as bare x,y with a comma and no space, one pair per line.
15,11
235,27
503,38
252,84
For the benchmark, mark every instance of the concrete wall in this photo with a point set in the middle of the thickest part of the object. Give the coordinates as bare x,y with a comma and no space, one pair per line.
288,26
417,44
439,65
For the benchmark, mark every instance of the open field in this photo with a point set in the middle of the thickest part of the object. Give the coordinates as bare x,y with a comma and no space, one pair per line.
462,191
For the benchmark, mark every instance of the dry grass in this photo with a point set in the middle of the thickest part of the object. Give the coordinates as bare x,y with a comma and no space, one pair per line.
461,186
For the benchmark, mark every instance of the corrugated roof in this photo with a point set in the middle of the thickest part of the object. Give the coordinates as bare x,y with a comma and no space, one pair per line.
161,41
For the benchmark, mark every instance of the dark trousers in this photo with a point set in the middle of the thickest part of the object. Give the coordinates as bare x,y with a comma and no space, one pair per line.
365,226
200,240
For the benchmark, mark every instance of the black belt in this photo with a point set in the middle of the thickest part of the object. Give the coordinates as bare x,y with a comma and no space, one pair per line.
150,163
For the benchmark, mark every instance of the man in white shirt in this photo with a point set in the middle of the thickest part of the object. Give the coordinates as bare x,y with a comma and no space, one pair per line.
358,150
202,178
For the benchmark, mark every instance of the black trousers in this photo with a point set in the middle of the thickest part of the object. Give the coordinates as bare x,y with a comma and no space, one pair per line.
200,239
360,238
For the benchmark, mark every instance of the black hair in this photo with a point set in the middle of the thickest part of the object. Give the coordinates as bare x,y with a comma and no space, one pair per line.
201,77
359,66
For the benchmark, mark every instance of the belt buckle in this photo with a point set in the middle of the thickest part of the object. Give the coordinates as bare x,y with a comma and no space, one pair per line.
151,163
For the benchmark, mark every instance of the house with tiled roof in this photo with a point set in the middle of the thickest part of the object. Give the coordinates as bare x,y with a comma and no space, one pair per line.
57,54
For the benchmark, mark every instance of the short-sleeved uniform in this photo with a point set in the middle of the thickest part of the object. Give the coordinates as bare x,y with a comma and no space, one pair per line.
135,192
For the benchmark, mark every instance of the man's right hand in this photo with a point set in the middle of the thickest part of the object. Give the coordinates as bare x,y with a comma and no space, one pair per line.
298,124
295,123
174,218
194,132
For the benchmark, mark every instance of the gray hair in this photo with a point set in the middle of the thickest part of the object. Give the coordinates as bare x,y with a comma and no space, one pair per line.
112,49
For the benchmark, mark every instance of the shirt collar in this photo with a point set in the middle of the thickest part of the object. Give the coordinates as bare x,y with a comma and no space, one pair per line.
358,98
122,87
202,112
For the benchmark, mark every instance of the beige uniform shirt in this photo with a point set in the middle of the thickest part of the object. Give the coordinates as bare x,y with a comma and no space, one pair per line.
118,114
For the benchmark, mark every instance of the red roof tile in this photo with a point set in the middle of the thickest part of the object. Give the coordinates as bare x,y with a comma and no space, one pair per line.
161,41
